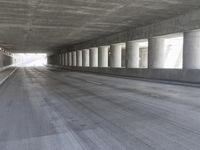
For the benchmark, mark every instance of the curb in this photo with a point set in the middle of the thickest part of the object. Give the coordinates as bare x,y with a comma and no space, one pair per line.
169,82
7,77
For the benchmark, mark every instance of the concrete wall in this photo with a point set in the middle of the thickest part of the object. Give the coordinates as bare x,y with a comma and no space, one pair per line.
5,61
177,75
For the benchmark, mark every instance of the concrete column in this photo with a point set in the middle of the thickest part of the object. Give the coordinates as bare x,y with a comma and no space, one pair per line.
103,56
86,57
54,59
74,58
132,54
116,56
191,50
143,63
156,53
94,57
60,59
63,59
70,59
79,58
57,59
66,59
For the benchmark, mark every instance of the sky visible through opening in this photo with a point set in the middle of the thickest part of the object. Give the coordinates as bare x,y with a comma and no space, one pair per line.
30,59
174,53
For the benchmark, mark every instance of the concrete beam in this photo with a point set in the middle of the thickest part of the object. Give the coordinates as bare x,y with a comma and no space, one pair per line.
182,23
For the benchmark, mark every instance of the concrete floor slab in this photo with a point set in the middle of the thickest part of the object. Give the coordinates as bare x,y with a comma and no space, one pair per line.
48,110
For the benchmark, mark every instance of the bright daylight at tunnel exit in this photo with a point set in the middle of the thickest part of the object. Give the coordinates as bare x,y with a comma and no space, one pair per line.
30,59
99,75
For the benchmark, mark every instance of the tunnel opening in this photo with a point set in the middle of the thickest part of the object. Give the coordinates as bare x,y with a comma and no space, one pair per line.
169,51
30,59
174,52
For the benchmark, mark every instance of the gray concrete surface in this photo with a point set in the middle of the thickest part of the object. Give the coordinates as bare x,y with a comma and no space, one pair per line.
61,110
44,25
5,74
175,75
176,24
191,53
5,60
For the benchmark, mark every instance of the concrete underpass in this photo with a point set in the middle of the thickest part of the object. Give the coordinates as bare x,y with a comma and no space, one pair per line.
99,75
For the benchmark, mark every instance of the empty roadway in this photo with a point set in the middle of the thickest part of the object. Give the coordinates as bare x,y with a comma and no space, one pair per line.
43,109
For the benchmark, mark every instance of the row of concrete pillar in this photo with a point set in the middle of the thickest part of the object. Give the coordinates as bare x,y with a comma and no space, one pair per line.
94,57
98,56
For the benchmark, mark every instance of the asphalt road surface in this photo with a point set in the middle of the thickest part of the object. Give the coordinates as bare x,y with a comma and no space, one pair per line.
42,109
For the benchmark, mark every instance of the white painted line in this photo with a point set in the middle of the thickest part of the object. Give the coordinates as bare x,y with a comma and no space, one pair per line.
6,78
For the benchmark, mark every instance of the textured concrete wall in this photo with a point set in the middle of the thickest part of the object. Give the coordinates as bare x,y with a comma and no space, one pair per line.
5,61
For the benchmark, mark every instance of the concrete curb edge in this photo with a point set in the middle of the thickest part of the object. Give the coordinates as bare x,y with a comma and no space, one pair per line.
7,77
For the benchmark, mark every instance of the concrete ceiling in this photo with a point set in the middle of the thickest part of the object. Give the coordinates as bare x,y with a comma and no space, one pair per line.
44,25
